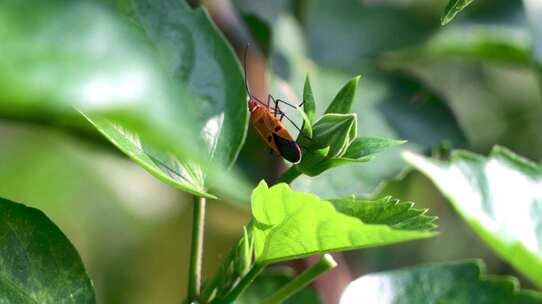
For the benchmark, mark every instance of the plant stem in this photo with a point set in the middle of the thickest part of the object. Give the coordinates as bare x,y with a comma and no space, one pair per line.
196,251
243,284
326,263
290,175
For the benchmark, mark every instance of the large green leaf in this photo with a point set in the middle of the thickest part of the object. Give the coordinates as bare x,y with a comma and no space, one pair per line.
289,225
38,264
453,8
500,197
142,72
458,282
196,55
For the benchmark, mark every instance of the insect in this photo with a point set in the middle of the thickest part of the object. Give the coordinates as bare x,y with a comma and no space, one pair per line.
269,125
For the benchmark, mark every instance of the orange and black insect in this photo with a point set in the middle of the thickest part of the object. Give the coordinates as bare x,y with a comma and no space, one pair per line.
268,123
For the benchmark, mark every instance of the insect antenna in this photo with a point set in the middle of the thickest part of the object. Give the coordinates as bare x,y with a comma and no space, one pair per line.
246,76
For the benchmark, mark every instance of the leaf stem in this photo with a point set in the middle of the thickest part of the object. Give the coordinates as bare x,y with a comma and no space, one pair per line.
196,251
325,264
289,175
244,283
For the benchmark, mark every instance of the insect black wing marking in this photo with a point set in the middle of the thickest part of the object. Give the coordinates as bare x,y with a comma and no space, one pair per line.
288,149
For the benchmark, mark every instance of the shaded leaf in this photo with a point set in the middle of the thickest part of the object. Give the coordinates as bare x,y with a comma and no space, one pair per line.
458,282
270,281
289,225
500,197
311,160
494,43
365,146
235,265
342,103
453,8
351,34
306,127
39,264
260,31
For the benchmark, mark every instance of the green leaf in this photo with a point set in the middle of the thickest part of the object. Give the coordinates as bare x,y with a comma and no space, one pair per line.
309,104
311,161
394,107
350,34
130,71
184,176
335,131
197,56
342,103
235,265
39,264
457,282
306,128
502,44
500,198
289,225
452,9
365,146
386,211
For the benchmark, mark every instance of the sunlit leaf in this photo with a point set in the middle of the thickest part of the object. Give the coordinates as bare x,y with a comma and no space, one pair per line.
39,264
351,34
309,104
289,225
453,8
199,59
500,197
458,282
386,211
129,70
188,177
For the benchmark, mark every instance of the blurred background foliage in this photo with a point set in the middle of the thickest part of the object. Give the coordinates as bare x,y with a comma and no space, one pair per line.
471,84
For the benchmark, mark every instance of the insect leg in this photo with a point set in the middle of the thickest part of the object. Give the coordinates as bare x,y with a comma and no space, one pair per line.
276,102
269,98
289,104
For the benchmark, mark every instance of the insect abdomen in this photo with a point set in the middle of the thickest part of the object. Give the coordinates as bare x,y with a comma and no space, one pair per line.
288,149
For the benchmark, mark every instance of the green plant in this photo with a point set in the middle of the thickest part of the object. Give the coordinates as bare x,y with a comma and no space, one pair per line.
160,82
